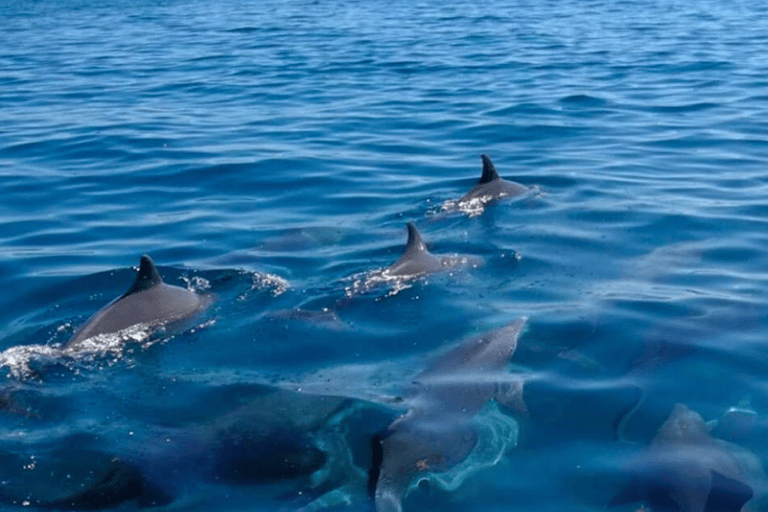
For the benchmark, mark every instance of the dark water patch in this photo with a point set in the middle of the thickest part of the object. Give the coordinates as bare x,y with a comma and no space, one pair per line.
552,182
84,148
693,107
496,134
521,109
735,254
583,100
674,222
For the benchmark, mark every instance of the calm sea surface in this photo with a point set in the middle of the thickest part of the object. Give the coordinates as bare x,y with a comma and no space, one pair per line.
272,152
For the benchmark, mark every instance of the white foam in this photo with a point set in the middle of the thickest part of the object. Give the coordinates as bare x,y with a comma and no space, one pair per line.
497,433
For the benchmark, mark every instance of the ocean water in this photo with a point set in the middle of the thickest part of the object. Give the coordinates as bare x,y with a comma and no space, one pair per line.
272,152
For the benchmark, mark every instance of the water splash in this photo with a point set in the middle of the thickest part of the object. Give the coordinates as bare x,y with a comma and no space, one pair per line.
477,205
196,284
18,359
23,361
365,282
273,283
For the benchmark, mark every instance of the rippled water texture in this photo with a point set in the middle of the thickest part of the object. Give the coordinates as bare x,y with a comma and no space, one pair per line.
271,153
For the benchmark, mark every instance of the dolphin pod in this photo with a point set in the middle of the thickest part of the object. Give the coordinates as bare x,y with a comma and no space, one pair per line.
151,301
684,469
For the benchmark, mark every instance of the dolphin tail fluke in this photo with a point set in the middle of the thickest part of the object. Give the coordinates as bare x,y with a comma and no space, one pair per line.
489,171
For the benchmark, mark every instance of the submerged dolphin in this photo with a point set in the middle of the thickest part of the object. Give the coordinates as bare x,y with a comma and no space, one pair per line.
491,187
148,301
416,260
685,469
274,436
439,430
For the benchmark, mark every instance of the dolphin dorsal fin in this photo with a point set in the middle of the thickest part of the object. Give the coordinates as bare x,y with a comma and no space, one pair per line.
415,243
147,278
489,171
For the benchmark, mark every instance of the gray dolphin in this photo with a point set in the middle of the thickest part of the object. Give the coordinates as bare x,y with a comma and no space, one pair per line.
148,301
439,430
685,469
417,260
491,187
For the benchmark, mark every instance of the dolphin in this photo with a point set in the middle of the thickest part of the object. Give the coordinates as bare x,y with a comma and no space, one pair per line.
416,260
739,423
439,431
148,301
491,188
273,436
685,469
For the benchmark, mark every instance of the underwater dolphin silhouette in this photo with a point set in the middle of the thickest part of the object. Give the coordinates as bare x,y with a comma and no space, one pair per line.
438,431
274,436
685,469
148,301
490,188
417,260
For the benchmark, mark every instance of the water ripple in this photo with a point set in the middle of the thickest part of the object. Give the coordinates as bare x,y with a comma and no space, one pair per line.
278,148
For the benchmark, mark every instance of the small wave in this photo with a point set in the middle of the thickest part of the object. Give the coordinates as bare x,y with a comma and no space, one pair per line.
366,282
477,205
196,283
275,284
684,108
111,344
17,359
23,360
325,317
583,100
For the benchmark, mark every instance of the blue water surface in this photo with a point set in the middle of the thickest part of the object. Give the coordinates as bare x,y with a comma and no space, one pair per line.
272,152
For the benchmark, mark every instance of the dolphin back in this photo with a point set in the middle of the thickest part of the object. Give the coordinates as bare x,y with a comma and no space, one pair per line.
416,259
491,187
686,469
148,301
441,429
487,353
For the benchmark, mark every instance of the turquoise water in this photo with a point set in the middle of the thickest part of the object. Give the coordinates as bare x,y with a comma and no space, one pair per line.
272,153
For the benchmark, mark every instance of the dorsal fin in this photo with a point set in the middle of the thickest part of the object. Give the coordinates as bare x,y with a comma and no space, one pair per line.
146,278
489,171
415,243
